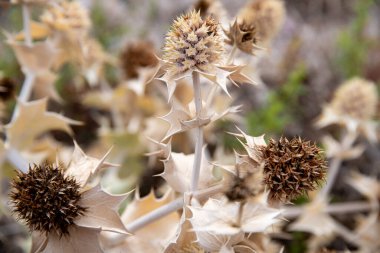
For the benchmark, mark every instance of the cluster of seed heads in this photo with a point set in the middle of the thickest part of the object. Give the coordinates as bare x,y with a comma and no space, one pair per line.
292,168
46,199
193,43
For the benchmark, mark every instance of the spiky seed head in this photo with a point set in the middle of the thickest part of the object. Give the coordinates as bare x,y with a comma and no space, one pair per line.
243,35
266,15
137,55
46,199
193,43
292,167
356,98
67,16
7,88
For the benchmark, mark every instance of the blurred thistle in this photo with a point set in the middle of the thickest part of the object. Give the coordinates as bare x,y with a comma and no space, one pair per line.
136,55
193,43
213,8
243,35
46,199
354,106
7,88
356,98
267,16
67,16
246,182
292,168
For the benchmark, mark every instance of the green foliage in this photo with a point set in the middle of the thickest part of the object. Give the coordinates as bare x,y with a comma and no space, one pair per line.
298,243
280,108
352,44
103,32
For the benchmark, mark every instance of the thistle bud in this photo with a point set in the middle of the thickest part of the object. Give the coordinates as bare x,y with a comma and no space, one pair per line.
193,43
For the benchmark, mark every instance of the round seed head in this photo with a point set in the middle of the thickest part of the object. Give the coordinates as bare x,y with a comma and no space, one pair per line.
46,199
292,168
356,98
193,43
137,55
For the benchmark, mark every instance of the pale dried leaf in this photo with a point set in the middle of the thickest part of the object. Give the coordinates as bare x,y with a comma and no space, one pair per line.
101,212
33,120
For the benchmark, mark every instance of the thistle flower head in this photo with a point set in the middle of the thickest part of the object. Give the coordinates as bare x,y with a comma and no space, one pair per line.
67,16
266,15
243,35
46,199
356,98
291,167
137,55
193,43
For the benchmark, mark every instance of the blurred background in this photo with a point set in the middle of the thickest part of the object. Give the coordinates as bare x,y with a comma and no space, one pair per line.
321,44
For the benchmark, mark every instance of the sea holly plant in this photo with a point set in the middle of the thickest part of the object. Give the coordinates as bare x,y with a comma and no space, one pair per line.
209,199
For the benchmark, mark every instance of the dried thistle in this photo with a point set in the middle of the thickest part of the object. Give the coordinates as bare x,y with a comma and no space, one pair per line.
7,88
292,167
67,16
62,211
356,98
137,55
243,35
193,43
46,199
266,15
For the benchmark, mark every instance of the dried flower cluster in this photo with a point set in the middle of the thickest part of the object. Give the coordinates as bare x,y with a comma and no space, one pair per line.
193,44
197,194
292,167
47,199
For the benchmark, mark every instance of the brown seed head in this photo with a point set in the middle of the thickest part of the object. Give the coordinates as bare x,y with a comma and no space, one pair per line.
243,35
7,88
193,43
267,16
46,199
292,168
356,98
137,55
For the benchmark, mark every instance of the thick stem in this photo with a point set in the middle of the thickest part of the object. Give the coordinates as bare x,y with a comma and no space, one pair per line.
347,142
232,54
15,158
199,133
155,215
171,207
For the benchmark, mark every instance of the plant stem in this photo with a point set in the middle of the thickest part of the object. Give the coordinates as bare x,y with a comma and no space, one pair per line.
155,215
349,207
26,23
15,158
199,133
347,141
171,207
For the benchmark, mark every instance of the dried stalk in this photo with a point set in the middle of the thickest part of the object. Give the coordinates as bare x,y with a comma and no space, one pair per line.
199,133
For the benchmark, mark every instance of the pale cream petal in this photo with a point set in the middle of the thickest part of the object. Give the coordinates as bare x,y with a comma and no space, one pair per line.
102,210
39,241
82,167
79,240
